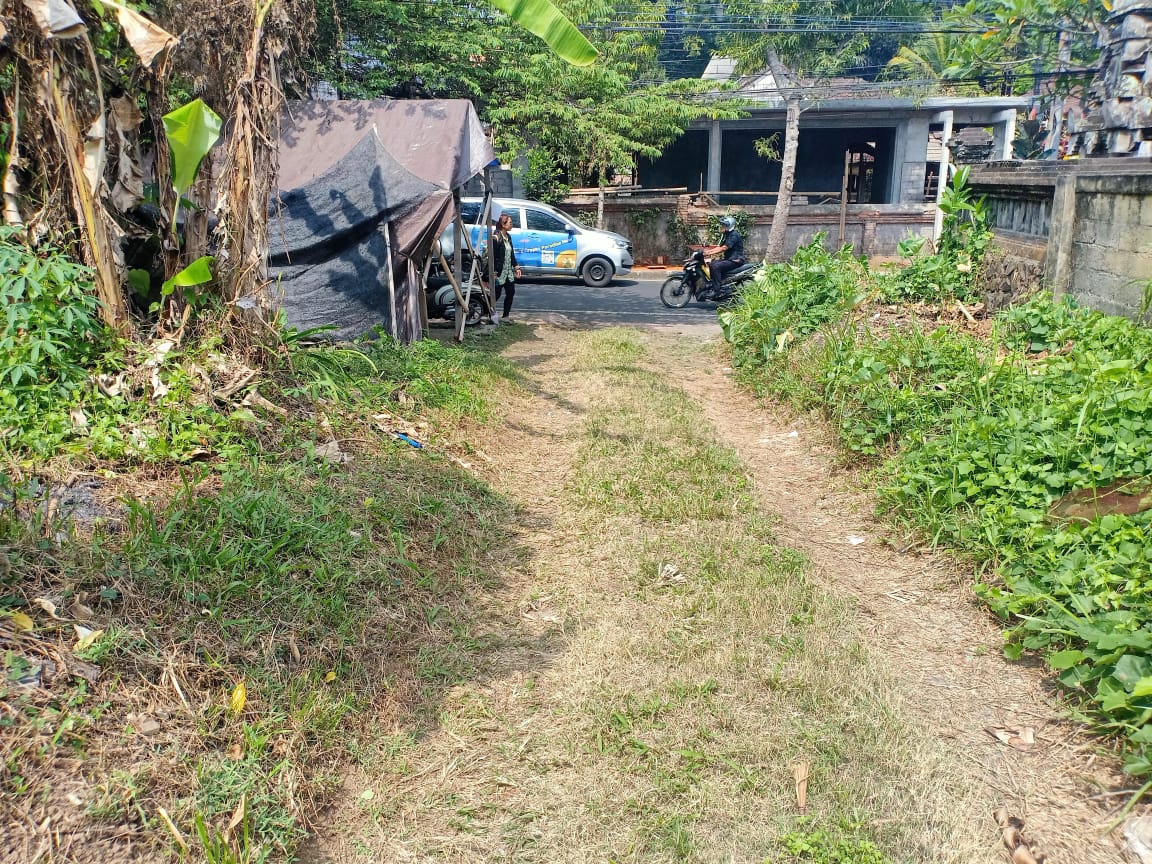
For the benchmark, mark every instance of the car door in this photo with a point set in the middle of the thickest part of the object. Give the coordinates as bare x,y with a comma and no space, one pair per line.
480,232
549,248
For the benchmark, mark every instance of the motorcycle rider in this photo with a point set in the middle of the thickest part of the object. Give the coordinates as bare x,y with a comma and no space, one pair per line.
731,246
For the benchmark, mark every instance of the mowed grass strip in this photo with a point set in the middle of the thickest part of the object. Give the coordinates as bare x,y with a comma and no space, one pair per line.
719,665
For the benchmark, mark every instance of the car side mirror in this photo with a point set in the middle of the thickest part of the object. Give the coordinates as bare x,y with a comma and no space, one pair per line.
571,231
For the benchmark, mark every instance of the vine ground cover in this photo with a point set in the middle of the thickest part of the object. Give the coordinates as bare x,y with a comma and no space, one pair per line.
974,441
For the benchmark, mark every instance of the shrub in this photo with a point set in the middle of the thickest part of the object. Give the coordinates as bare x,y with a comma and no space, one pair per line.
977,442
953,269
790,300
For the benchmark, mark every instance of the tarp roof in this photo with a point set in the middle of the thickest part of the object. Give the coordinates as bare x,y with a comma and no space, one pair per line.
349,171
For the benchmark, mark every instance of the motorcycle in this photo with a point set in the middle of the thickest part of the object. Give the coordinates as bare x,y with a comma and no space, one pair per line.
692,283
442,304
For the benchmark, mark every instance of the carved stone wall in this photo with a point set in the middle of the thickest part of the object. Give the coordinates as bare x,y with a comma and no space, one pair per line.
1119,116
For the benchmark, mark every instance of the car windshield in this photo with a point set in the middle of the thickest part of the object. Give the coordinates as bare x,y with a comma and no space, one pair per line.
470,213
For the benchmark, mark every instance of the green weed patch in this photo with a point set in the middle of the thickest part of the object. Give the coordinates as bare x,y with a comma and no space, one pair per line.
245,624
976,441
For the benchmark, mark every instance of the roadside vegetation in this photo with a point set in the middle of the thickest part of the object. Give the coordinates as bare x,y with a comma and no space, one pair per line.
1024,441
209,570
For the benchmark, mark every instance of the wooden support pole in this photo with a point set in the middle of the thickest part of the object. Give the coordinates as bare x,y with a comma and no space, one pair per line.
844,195
394,326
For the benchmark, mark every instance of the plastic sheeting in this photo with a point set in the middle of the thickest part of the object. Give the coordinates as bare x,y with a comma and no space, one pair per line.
363,183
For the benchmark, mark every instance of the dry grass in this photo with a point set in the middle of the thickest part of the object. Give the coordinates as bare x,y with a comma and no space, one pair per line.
639,712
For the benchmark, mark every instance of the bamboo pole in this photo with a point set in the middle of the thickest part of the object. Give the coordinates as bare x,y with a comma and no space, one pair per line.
465,296
394,326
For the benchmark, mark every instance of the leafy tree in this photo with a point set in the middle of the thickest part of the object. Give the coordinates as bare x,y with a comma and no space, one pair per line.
588,121
1009,46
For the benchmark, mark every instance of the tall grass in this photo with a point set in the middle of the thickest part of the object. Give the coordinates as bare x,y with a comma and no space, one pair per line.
975,440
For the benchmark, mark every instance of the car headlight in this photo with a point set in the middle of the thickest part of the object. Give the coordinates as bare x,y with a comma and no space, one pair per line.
621,244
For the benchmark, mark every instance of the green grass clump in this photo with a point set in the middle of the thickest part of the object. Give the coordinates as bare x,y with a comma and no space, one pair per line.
790,300
326,588
976,439
817,846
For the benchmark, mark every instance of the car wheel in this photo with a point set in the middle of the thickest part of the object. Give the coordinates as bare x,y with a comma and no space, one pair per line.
597,272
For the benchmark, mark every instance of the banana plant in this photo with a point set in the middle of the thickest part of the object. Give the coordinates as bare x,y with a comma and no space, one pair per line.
543,19
192,131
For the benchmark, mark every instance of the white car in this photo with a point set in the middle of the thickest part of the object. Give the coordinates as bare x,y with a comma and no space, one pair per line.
549,242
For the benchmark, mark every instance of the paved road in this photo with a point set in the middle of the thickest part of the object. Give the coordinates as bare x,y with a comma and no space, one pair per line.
632,301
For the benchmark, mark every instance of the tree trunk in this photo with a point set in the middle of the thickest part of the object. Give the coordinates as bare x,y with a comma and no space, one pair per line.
251,167
600,206
787,179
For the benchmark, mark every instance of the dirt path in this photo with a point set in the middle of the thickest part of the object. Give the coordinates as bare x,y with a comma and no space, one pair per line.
660,666
925,626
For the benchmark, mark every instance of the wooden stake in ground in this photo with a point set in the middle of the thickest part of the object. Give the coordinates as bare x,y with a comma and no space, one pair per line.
801,771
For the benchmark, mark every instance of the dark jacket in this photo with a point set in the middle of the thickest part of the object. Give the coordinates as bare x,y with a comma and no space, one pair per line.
735,244
501,246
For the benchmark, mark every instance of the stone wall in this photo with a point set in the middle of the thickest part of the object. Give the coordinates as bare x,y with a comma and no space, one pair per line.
1112,242
1081,227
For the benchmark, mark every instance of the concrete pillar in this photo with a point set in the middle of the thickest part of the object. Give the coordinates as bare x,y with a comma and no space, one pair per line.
915,162
942,177
1003,134
715,142
899,142
1058,257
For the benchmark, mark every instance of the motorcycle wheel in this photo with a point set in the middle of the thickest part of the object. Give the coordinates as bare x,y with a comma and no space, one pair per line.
674,293
475,312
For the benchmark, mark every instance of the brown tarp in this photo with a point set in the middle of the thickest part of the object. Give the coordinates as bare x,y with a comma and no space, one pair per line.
354,178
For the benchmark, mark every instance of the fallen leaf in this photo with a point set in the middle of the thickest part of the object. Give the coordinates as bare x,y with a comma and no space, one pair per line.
237,816
294,649
159,388
79,418
48,606
172,829
330,452
144,725
1022,738
235,752
330,677
239,698
1138,833
23,623
80,612
85,638
801,771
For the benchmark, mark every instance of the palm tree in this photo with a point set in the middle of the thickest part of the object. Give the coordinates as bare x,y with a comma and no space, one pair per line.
935,57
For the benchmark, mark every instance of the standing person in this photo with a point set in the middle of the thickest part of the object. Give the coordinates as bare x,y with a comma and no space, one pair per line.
731,246
504,263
